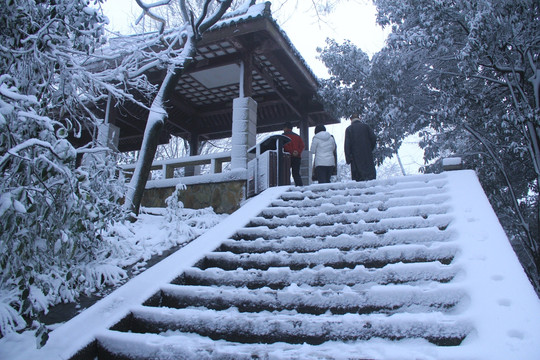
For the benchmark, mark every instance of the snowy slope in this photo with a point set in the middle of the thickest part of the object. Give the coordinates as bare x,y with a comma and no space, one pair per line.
410,267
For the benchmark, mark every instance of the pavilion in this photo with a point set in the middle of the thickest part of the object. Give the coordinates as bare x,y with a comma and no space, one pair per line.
247,79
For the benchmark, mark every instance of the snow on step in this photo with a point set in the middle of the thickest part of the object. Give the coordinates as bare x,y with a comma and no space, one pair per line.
320,265
313,300
302,201
346,206
370,216
359,276
380,227
294,328
332,257
342,242
366,239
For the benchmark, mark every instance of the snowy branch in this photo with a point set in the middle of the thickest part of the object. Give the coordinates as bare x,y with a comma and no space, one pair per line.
531,243
25,145
147,12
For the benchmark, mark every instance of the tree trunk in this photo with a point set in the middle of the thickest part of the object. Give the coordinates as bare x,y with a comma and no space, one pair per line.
154,125
158,113
403,172
143,168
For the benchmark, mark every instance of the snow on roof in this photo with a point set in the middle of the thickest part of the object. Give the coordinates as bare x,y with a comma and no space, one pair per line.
119,46
243,13
408,267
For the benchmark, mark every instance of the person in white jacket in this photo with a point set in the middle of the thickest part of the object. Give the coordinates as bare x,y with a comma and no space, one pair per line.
323,148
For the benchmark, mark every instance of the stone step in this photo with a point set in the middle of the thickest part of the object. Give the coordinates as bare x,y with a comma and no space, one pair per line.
370,216
293,328
403,188
384,225
303,201
312,300
279,278
342,242
322,264
371,258
332,209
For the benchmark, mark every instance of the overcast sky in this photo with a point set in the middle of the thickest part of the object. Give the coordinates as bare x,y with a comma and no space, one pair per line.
353,20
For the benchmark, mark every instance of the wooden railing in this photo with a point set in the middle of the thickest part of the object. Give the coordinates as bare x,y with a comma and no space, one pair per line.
168,166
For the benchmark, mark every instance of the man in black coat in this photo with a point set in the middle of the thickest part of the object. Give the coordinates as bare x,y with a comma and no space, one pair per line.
360,141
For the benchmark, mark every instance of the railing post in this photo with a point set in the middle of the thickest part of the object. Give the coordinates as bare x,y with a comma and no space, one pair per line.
452,163
168,171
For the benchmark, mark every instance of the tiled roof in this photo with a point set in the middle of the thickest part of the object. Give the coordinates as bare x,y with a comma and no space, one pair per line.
410,267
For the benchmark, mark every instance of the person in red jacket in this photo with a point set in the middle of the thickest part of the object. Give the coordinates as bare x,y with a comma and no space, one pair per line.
295,148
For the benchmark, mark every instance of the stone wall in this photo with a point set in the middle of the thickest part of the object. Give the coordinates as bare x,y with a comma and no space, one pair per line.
224,197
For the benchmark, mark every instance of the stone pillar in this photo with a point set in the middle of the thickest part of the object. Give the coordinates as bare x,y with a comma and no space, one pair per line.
244,131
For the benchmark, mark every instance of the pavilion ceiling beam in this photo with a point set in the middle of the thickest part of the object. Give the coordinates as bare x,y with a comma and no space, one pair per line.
245,45
275,33
270,81
177,126
286,72
129,124
269,49
181,104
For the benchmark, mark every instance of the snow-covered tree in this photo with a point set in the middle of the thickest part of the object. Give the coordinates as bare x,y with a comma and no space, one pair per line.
371,88
181,45
484,59
466,75
52,212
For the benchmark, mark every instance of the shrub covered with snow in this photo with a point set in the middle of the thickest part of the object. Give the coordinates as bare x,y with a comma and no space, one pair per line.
187,224
52,214
61,228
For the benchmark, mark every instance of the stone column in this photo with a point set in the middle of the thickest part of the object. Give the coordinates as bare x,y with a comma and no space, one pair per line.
244,131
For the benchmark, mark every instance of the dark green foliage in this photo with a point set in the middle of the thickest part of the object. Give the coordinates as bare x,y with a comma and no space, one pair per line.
466,76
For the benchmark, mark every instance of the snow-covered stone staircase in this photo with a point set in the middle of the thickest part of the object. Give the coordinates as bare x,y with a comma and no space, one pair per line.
323,264
405,268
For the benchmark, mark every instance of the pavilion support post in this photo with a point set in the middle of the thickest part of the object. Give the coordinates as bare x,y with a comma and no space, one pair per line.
246,76
244,131
193,150
107,135
305,165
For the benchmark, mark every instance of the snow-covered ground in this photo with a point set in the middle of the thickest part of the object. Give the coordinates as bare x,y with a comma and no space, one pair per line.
475,282
157,230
